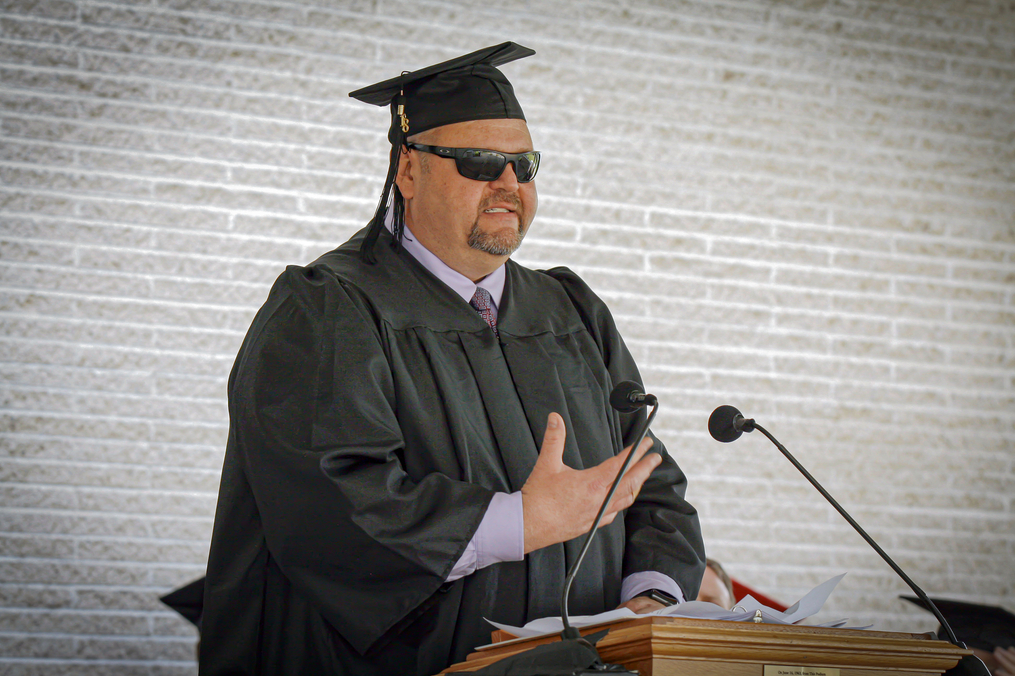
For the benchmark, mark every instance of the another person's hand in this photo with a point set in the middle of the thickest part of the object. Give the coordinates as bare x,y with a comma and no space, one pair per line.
560,503
1005,661
642,605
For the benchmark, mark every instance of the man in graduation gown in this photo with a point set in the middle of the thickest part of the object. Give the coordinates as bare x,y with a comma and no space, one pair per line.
402,462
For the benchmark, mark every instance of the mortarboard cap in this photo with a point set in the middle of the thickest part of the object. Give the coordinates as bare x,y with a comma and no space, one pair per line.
976,625
465,88
188,601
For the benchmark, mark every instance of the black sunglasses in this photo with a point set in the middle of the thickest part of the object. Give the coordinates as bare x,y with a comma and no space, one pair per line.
486,165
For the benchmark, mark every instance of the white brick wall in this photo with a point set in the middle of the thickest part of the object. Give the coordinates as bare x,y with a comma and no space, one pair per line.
805,209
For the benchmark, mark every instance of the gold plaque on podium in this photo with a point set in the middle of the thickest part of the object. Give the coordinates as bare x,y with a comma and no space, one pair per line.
792,670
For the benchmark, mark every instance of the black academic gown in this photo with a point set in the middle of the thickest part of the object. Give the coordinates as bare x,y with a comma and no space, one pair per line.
373,416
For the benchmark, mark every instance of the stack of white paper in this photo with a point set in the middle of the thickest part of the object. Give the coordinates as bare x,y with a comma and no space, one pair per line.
745,611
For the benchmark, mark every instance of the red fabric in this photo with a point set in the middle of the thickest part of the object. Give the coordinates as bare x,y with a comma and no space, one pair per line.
740,590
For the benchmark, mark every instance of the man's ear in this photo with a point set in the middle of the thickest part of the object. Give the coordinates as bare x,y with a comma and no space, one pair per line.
404,176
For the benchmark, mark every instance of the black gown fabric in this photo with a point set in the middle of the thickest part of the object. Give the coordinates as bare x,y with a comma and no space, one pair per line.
373,414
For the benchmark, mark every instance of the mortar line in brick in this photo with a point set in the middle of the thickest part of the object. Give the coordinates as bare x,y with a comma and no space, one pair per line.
40,511
100,637
161,229
100,513
155,180
166,153
825,99
56,661
184,135
85,197
80,25
794,287
100,272
118,371
223,359
152,251
93,538
787,9
72,460
54,319
72,415
763,220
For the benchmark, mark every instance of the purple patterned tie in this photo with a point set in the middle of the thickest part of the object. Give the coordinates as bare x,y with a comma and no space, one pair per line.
483,304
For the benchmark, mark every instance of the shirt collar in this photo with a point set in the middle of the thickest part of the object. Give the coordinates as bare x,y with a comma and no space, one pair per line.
459,283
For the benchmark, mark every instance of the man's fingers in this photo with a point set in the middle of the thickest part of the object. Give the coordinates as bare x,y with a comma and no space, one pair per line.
1005,658
637,473
630,485
613,465
643,447
642,605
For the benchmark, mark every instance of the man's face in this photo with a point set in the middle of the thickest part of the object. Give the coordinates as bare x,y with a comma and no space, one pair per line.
473,226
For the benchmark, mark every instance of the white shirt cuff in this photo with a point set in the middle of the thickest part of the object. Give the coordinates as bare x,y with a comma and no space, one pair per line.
500,537
636,583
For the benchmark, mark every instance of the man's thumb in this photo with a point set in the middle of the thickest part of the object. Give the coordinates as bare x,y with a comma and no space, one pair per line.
552,450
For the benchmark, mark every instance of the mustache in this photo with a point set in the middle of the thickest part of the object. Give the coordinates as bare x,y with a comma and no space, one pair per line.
502,197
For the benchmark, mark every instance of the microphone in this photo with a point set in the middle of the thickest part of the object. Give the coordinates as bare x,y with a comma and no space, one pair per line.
727,424
628,397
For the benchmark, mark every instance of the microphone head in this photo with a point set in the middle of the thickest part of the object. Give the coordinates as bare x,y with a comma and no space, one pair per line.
720,424
620,397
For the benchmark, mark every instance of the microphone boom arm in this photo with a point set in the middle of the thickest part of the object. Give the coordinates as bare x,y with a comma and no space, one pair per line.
569,631
912,585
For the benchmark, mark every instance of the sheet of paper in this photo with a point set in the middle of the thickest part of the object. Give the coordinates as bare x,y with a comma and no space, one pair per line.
807,606
704,610
744,611
554,625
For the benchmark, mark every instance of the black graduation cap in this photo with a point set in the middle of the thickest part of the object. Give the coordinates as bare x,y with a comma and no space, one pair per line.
188,601
976,625
465,88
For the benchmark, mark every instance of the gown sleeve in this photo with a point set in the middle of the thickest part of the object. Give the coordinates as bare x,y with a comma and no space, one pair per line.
663,533
315,430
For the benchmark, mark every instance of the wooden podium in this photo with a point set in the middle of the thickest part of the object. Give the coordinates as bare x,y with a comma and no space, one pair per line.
670,646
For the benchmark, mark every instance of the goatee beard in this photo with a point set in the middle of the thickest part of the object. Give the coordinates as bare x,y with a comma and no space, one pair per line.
498,244
503,242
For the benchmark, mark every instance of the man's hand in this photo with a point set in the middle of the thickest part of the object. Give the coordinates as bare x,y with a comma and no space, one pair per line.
560,503
642,605
1005,661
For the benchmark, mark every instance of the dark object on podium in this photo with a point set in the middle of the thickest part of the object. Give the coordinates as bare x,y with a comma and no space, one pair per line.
977,625
188,601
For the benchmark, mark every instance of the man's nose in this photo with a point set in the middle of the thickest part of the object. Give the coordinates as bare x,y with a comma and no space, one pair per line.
507,180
